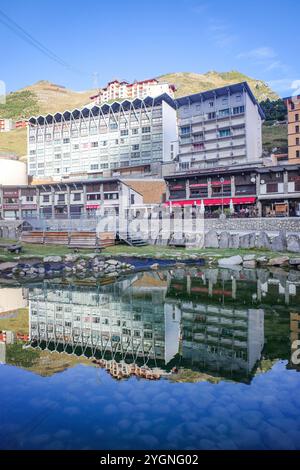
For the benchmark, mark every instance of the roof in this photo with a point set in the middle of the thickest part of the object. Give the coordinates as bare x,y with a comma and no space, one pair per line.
206,95
103,109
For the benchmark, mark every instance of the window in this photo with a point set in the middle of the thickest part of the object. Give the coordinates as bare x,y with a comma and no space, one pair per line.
134,131
66,141
297,153
135,147
239,110
113,125
224,112
296,117
46,198
297,129
224,133
77,197
61,198
146,130
132,198
186,130
124,132
94,167
297,141
272,187
211,104
211,115
94,144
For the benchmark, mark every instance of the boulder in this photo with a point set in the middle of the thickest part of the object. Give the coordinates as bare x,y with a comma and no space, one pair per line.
279,243
232,261
155,266
7,266
71,258
293,244
295,261
249,258
224,240
211,239
52,259
112,262
249,264
247,241
279,261
234,241
262,241
262,260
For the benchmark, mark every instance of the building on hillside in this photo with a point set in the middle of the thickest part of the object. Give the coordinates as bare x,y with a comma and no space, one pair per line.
293,107
120,90
219,127
69,200
93,141
6,125
244,191
22,123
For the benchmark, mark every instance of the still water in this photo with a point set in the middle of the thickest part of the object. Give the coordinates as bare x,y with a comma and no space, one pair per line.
229,334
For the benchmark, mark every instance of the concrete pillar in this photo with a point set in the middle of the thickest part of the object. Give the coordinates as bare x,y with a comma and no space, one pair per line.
187,188
232,186
68,202
52,200
84,199
285,182
209,187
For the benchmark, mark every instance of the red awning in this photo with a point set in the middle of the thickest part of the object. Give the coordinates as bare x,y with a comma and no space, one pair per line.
92,206
214,202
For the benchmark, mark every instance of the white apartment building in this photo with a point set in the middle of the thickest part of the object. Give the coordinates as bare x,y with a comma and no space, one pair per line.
93,140
219,127
118,90
6,125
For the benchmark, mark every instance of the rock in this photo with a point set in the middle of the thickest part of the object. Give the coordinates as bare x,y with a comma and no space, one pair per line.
113,274
262,260
294,261
41,270
155,266
280,261
232,261
263,242
247,241
7,266
249,264
113,262
211,239
249,258
293,244
52,259
279,243
71,258
234,241
224,240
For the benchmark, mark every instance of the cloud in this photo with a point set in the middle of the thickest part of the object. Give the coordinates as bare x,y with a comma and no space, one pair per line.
284,85
221,34
261,53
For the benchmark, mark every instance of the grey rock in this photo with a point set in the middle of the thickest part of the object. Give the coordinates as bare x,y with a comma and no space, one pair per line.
249,264
262,260
112,262
224,240
293,244
294,261
234,241
71,258
232,261
249,257
247,241
52,259
263,242
7,266
279,243
211,239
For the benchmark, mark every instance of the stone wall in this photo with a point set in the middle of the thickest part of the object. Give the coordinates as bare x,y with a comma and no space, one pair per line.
269,225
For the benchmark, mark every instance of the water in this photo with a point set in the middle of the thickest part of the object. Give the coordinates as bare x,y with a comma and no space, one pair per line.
229,333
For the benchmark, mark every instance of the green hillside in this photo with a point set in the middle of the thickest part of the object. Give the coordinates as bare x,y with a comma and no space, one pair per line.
21,104
188,83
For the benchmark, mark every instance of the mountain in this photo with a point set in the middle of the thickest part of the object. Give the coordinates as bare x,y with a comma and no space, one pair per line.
188,83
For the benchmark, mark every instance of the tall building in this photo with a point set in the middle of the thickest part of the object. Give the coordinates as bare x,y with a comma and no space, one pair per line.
6,125
293,107
219,127
92,141
116,90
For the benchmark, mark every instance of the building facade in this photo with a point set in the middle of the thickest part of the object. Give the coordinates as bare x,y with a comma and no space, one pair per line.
119,90
6,125
293,107
66,200
93,141
219,127
240,190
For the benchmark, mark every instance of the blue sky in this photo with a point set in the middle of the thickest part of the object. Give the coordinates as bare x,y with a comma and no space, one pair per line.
137,39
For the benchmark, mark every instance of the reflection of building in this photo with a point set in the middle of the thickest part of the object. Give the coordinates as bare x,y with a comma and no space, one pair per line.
295,336
2,353
11,299
105,320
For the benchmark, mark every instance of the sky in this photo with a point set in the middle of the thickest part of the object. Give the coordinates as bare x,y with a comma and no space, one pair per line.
93,41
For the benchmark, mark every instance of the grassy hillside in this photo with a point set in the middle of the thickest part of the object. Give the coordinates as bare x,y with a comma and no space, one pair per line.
275,137
188,83
14,142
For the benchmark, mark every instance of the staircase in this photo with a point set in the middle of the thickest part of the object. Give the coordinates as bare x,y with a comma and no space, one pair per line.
132,240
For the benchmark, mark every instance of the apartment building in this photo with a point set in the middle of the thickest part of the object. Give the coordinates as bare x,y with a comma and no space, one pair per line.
243,189
70,200
93,141
219,127
6,125
119,90
293,107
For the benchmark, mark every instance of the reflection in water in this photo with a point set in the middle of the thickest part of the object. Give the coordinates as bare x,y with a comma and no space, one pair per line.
210,324
211,321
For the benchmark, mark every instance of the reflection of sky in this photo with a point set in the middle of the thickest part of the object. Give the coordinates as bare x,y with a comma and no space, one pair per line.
85,408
